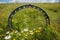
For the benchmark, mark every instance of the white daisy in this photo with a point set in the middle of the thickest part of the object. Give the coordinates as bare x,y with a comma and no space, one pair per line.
40,27
26,29
7,32
7,37
22,31
16,31
31,32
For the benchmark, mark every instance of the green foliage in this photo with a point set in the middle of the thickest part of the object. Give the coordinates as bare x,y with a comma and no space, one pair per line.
32,21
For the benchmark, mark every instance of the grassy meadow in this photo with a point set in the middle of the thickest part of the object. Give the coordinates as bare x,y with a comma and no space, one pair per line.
31,22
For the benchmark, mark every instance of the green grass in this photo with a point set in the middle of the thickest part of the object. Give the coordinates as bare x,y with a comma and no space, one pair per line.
31,19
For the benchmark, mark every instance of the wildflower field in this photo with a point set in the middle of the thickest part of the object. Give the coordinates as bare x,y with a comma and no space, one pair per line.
29,23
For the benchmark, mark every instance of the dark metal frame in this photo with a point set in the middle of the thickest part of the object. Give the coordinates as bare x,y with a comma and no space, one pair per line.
27,6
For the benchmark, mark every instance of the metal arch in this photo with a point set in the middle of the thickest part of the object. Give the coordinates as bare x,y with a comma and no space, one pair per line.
27,6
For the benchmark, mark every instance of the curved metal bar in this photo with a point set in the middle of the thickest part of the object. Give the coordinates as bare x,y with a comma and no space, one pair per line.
27,6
